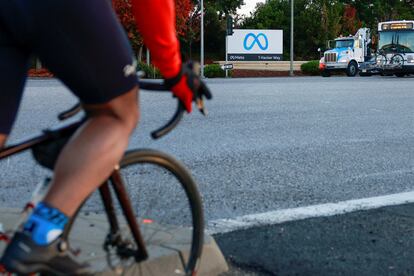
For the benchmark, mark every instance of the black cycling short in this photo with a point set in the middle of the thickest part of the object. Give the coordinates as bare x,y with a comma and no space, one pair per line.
80,41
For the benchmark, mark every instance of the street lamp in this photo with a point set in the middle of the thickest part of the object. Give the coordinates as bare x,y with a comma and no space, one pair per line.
202,39
291,36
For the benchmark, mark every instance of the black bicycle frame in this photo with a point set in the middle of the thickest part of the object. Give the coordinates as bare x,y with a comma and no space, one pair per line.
105,192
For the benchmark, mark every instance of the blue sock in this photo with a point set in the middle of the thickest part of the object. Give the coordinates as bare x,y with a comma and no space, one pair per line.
45,224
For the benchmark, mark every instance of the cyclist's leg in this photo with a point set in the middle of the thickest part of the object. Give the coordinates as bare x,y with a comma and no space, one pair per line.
89,158
13,67
90,53
83,44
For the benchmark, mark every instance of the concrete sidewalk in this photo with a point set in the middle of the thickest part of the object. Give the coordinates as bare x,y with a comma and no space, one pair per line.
168,246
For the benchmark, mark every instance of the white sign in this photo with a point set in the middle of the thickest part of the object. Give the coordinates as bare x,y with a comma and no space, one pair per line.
227,66
255,45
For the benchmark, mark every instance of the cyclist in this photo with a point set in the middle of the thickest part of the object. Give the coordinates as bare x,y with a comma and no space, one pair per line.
83,44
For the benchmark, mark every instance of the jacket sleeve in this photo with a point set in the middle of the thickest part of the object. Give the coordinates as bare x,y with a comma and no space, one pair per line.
156,23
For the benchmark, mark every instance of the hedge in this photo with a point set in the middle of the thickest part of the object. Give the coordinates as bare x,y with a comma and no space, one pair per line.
214,71
150,72
311,67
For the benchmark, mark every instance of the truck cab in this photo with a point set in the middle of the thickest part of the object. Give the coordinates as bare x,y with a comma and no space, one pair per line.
346,53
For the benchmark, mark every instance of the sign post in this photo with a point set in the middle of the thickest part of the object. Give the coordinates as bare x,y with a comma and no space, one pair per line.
229,31
291,36
227,43
227,66
202,39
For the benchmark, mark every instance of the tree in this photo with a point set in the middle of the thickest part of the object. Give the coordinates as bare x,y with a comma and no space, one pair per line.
350,21
123,9
183,12
215,12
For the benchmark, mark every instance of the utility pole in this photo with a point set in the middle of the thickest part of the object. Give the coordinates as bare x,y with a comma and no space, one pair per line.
148,57
229,31
291,36
202,39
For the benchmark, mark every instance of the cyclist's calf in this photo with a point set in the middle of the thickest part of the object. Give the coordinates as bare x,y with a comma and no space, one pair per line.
92,153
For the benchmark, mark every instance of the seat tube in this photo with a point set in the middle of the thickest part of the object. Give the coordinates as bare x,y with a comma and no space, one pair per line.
107,201
121,193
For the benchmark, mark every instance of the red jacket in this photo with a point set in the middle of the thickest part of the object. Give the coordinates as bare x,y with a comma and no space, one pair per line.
156,23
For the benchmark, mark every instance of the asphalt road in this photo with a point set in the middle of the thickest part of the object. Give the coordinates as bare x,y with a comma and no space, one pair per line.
267,144
374,242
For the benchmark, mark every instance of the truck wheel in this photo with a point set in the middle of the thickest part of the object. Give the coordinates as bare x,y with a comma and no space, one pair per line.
352,69
326,73
400,75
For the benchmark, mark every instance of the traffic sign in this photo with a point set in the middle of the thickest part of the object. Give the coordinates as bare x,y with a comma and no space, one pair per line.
228,66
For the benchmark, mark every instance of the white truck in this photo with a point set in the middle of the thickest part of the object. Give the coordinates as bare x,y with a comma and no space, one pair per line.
395,55
347,53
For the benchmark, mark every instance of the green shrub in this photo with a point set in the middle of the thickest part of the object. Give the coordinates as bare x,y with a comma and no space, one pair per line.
311,67
150,72
214,71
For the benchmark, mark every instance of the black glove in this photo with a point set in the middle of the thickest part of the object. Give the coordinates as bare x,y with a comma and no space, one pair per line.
188,87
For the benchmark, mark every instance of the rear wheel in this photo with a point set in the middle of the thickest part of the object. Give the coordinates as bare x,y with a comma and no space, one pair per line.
168,207
352,69
400,75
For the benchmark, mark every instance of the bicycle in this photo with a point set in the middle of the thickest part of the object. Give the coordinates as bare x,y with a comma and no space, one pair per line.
130,239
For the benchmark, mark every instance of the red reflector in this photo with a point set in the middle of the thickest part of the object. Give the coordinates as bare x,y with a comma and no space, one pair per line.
147,221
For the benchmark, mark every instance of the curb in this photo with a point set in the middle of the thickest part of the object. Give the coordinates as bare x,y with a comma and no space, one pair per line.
160,262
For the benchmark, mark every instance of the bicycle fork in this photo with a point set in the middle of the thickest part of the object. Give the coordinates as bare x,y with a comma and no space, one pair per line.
122,196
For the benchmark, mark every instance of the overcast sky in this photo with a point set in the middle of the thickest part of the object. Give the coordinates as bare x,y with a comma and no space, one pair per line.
249,6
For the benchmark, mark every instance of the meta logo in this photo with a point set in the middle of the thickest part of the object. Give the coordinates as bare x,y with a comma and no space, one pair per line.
251,40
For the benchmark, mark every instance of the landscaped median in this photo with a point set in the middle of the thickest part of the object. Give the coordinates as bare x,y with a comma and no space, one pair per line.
39,73
243,69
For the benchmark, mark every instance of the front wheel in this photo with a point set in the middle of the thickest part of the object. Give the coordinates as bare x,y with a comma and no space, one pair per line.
352,69
169,212
325,73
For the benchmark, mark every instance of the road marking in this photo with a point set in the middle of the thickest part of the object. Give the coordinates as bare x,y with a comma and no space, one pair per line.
313,211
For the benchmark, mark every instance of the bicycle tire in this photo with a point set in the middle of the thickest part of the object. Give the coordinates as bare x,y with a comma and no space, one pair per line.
397,59
381,60
189,259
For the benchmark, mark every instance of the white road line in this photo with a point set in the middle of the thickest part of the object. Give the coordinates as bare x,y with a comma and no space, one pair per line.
321,210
